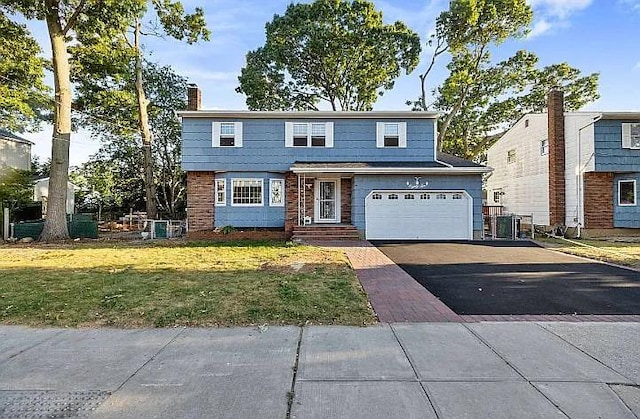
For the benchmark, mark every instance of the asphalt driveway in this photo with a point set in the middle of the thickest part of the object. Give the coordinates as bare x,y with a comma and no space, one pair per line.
502,278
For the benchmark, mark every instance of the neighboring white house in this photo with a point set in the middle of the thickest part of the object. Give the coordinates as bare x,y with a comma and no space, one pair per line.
15,152
572,169
41,191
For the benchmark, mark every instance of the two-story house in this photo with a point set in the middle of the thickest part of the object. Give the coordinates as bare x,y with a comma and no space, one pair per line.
570,169
376,172
15,152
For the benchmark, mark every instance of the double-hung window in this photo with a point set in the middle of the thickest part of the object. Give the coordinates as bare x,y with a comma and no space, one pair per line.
247,192
627,192
227,134
391,134
631,135
221,192
544,147
309,134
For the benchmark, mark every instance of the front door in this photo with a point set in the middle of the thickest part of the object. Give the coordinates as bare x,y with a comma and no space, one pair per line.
327,199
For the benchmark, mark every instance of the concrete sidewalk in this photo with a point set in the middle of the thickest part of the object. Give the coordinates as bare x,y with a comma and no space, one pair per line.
429,370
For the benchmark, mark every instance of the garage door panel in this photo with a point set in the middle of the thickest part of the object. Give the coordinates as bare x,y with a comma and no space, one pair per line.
429,216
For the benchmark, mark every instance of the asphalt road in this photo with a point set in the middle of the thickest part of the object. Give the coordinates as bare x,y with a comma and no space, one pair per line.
503,278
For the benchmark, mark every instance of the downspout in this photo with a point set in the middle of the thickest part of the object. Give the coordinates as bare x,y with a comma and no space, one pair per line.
580,174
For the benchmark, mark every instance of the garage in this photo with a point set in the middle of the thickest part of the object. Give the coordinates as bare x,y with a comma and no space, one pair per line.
419,215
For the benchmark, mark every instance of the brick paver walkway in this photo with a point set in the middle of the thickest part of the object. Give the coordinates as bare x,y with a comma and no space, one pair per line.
396,297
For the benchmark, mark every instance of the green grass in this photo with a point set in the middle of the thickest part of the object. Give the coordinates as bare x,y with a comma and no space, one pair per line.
627,254
174,284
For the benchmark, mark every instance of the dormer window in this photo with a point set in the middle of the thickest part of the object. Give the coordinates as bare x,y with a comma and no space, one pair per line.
309,134
391,134
227,134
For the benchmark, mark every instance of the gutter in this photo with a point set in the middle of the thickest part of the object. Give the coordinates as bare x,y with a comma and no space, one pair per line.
393,170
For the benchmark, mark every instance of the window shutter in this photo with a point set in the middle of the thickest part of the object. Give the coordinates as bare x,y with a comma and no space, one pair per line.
288,134
626,135
215,141
380,134
238,132
402,134
328,134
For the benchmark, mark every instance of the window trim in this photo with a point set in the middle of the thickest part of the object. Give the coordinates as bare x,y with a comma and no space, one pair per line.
402,134
282,200
635,193
223,202
216,134
328,134
261,204
626,136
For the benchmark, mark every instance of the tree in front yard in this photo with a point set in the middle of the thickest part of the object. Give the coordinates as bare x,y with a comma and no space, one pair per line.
336,51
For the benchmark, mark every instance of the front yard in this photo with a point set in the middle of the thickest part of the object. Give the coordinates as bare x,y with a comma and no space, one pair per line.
178,283
620,253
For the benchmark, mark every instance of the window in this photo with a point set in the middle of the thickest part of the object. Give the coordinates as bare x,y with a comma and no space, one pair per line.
457,196
425,196
393,196
544,147
227,134
308,134
221,192
276,192
631,136
441,196
626,192
526,123
409,196
511,156
497,195
376,196
391,134
246,192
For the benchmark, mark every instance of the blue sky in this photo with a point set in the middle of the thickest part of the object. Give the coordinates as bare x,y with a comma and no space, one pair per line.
592,35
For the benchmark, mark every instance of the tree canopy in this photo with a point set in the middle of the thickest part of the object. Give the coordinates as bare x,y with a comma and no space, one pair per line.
24,100
336,51
480,98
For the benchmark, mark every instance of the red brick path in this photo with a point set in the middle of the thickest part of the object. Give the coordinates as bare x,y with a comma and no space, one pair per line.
396,297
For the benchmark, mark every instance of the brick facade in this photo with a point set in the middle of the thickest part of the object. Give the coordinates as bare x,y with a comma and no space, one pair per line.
346,186
291,202
557,199
598,200
200,200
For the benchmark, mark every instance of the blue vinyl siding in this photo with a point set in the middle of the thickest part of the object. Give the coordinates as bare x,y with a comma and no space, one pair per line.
626,216
364,184
262,216
264,145
609,154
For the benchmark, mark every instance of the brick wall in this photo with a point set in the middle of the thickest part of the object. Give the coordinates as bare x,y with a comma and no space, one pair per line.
345,200
200,200
194,98
556,158
598,200
291,204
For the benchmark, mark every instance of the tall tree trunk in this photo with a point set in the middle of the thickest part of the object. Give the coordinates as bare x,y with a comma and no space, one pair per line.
55,226
145,132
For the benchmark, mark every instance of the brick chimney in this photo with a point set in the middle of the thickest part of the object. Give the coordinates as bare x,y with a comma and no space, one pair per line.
194,97
557,202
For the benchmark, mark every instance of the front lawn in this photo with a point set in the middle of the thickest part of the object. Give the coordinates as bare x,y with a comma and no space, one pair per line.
620,253
173,284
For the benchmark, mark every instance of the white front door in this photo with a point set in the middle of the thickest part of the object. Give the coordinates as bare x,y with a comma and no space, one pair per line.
327,201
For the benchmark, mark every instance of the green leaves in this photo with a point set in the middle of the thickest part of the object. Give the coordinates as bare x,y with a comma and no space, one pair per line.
24,97
335,51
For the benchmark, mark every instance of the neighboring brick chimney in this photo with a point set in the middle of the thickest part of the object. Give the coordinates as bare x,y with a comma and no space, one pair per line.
194,97
557,206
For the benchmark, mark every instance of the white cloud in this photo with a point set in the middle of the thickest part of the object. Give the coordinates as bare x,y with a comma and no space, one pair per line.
560,9
539,27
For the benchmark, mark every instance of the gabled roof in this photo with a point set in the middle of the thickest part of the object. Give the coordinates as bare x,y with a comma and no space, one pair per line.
10,136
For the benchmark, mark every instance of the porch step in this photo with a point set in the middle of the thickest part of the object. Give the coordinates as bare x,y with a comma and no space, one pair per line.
321,233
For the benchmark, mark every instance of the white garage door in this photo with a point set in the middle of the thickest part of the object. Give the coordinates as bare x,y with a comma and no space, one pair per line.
419,215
